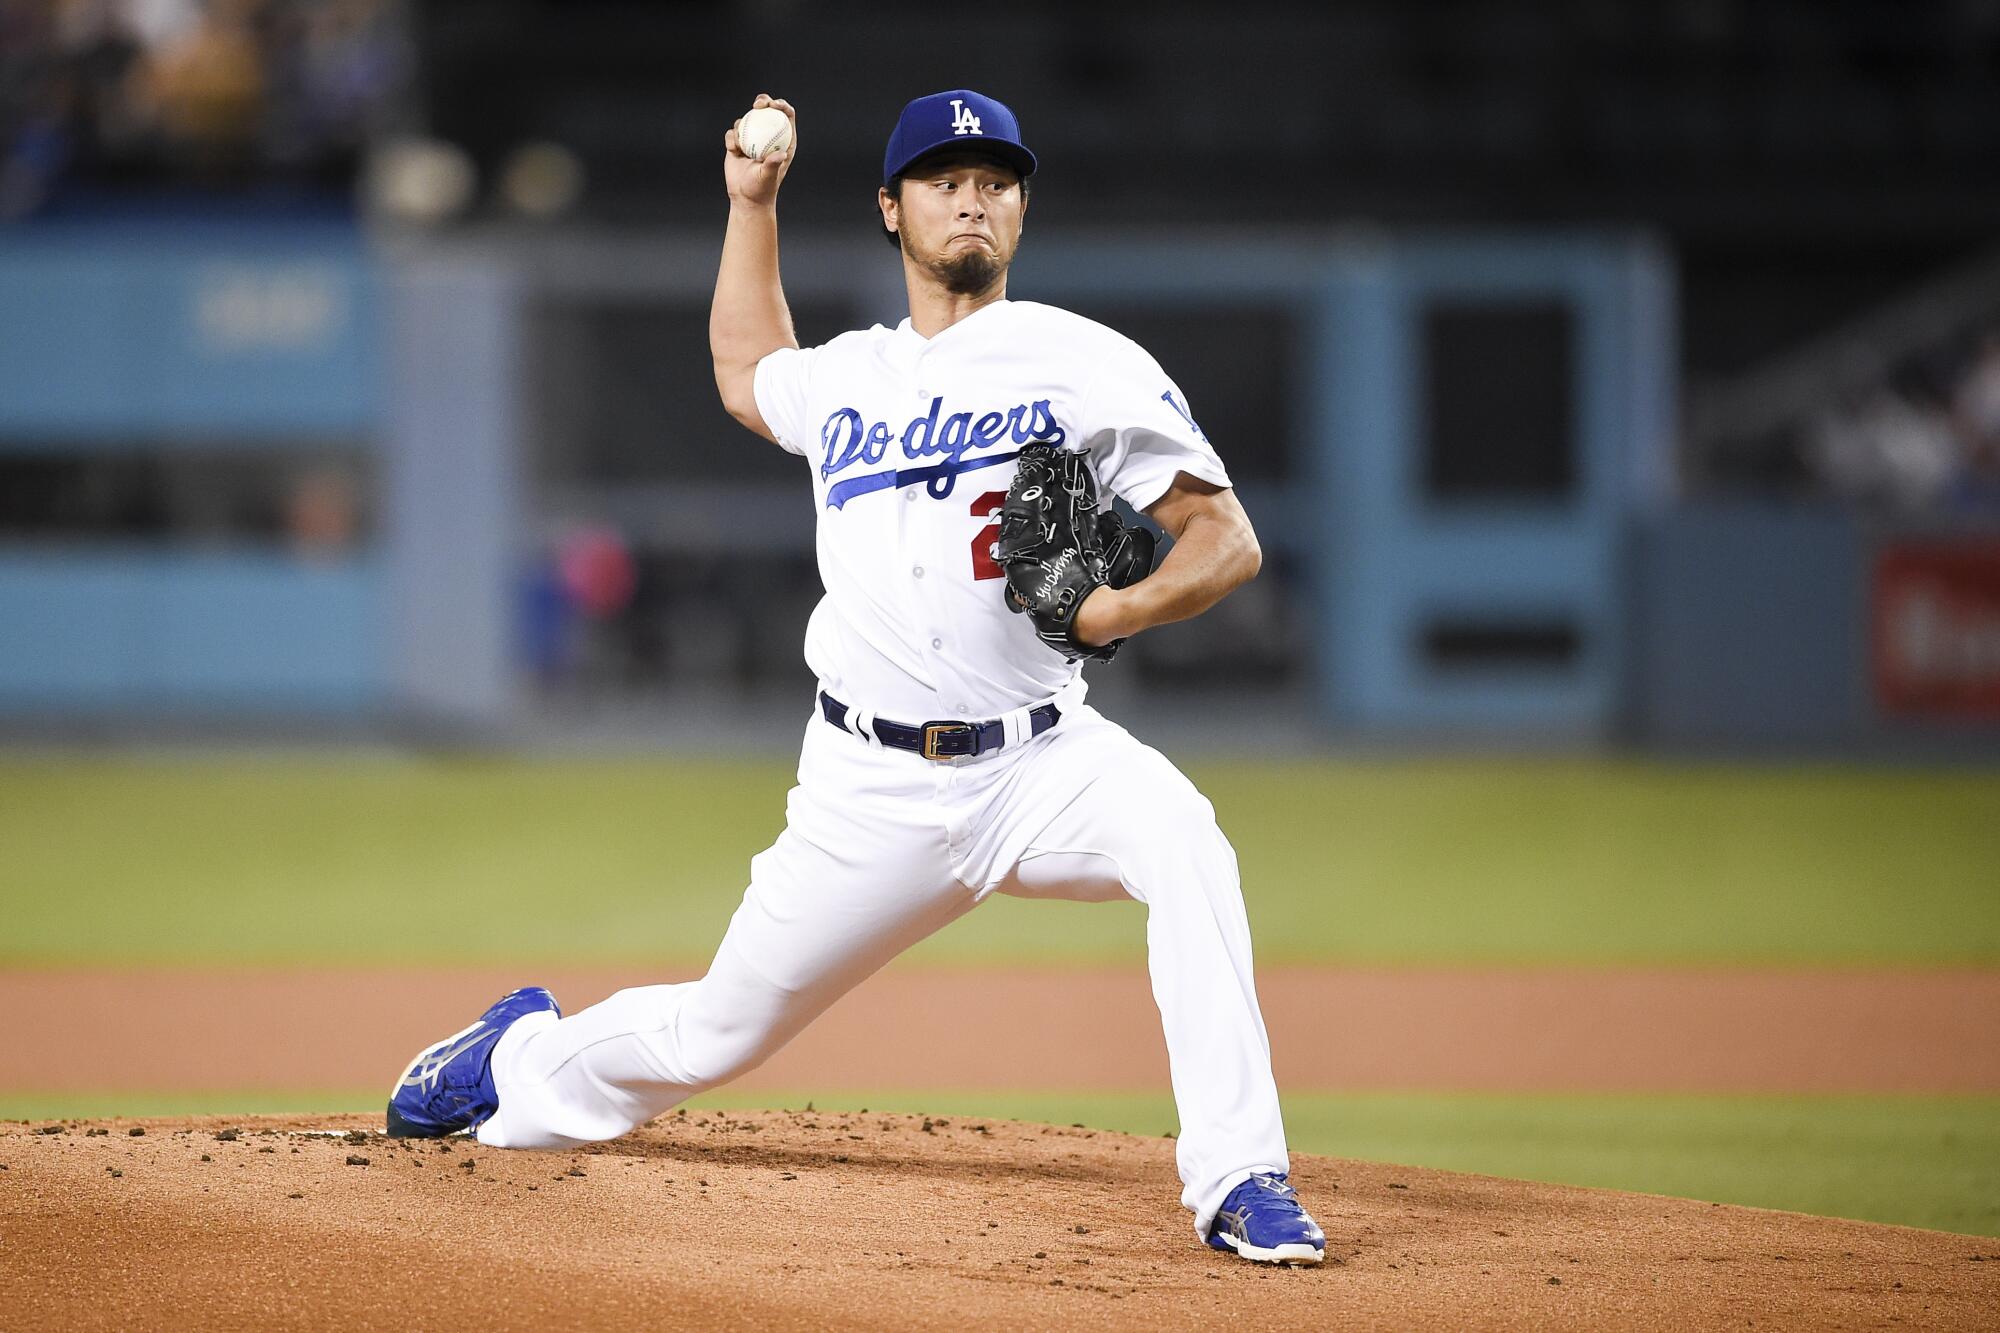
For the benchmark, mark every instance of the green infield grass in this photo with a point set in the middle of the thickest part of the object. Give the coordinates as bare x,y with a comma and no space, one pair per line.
1915,1161
371,859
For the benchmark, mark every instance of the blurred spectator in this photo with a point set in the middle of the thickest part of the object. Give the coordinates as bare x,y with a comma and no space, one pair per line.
100,50
342,66
34,107
1976,414
221,93
208,90
322,514
597,570
1888,450
584,582
1977,402
1923,434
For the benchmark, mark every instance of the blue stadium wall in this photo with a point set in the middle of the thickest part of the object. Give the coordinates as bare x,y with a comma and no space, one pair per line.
136,338
1699,625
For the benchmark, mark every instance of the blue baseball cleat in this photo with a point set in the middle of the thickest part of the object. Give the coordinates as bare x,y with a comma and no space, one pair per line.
1262,1220
448,1088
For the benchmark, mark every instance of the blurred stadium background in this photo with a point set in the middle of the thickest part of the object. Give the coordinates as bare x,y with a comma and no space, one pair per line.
1616,388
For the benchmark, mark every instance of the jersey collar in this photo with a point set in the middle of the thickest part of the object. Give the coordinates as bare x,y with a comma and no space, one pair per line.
908,332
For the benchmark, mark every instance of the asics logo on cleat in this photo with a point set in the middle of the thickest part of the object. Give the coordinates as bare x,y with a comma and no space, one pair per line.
431,1067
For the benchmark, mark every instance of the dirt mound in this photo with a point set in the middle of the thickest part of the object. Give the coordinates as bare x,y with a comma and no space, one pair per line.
808,1220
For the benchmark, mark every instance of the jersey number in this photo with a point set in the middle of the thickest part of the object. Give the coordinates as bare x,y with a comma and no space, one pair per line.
983,564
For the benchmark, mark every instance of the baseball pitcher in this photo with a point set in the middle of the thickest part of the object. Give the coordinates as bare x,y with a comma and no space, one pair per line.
960,464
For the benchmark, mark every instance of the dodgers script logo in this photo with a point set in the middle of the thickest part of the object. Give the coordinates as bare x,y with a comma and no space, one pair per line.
962,120
848,440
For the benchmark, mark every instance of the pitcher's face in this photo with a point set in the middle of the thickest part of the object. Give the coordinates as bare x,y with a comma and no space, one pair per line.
959,219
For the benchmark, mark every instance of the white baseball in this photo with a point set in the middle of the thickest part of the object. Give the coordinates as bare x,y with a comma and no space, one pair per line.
763,131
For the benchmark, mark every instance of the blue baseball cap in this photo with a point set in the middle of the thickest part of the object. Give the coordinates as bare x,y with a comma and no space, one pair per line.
960,118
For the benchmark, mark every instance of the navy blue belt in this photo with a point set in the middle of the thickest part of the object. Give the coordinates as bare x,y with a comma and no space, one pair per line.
942,740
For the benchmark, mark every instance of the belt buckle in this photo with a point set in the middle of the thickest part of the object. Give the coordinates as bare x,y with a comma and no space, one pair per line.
935,731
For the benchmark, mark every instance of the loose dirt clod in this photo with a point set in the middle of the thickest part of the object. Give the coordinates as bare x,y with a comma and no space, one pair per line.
356,1159
227,1135
137,1131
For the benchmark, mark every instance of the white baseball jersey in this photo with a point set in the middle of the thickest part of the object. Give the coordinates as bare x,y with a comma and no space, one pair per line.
912,442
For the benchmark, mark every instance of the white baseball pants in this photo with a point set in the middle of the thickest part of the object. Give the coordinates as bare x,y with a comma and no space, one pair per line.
883,847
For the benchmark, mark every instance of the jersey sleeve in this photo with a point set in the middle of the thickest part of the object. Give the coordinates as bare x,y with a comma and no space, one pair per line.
783,386
1140,431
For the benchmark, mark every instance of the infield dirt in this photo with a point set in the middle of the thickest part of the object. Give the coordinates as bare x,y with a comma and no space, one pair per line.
1692,1030
813,1220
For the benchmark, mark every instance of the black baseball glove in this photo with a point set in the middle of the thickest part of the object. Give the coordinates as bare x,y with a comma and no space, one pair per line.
1057,548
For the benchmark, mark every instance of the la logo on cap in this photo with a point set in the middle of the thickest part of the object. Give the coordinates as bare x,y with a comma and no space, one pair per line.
962,119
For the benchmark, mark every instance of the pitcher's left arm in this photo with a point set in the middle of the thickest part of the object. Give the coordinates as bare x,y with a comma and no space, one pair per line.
1215,552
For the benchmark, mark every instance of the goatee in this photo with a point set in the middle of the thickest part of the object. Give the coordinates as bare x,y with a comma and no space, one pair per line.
968,273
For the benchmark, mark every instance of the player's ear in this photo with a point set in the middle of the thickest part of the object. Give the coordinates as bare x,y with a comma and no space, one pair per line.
891,208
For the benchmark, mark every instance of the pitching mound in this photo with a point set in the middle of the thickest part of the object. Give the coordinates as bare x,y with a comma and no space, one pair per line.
804,1220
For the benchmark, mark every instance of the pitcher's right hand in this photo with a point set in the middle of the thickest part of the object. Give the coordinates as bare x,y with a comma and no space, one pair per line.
753,182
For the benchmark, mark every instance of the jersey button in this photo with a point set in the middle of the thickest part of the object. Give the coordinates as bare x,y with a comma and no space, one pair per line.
939,643
917,570
909,496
